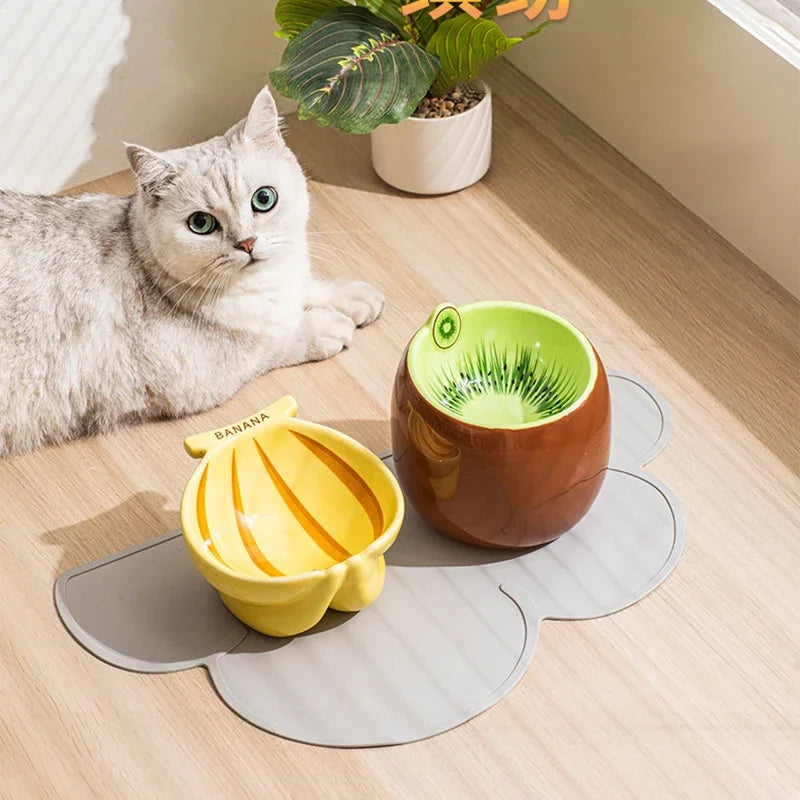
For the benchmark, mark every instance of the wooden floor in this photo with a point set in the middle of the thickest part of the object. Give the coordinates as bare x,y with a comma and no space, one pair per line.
694,692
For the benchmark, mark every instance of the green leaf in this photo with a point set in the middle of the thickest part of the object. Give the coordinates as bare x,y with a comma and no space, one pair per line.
423,26
489,8
353,70
295,15
464,46
388,10
534,31
417,27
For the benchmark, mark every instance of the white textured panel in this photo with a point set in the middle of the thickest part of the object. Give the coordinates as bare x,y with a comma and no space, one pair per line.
55,58
81,76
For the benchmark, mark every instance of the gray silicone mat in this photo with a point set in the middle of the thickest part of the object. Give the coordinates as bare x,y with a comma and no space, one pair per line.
453,631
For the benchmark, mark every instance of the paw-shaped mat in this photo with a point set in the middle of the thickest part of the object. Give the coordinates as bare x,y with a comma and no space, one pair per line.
453,631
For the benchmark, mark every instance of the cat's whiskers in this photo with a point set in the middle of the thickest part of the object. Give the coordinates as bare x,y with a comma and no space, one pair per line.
326,233
322,259
317,243
182,281
194,315
176,306
220,282
200,274
326,249
282,242
224,283
327,252
327,246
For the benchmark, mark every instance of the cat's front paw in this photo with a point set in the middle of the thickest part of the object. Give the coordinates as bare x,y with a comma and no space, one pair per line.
358,300
329,332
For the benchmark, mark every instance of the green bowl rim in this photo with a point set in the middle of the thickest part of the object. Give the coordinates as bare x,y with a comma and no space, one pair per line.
420,336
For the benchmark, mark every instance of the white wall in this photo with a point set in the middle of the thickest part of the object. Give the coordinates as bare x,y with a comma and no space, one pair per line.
696,102
77,77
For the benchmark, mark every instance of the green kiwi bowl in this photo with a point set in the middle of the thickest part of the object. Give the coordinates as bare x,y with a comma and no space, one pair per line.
500,423
501,365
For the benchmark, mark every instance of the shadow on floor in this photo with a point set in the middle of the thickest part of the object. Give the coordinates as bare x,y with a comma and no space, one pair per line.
374,434
139,518
315,147
354,172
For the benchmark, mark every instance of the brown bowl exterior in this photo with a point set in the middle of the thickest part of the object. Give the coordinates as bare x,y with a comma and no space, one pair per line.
500,487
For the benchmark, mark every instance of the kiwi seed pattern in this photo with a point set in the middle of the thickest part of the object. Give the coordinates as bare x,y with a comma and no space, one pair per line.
446,327
545,389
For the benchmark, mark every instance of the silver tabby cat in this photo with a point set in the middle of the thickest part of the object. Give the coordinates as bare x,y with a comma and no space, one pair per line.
165,303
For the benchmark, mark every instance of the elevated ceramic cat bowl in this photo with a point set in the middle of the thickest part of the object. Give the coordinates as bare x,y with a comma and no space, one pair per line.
285,518
501,423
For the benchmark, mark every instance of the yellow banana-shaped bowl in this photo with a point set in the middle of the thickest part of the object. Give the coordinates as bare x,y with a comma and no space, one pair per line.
285,518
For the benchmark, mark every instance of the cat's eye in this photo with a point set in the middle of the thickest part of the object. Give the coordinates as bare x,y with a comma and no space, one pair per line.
264,199
202,222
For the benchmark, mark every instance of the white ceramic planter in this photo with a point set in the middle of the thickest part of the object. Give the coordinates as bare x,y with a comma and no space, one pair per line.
436,156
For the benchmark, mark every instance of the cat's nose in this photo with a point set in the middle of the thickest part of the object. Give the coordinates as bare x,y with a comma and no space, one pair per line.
246,244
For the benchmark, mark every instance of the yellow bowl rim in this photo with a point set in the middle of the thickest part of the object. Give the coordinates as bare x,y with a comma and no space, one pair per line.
375,548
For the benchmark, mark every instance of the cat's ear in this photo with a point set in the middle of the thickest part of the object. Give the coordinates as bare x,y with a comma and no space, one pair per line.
154,171
262,123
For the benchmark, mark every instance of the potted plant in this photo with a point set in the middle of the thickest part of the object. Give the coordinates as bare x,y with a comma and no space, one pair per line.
408,79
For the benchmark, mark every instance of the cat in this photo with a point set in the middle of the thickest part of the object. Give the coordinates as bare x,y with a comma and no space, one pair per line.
163,304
